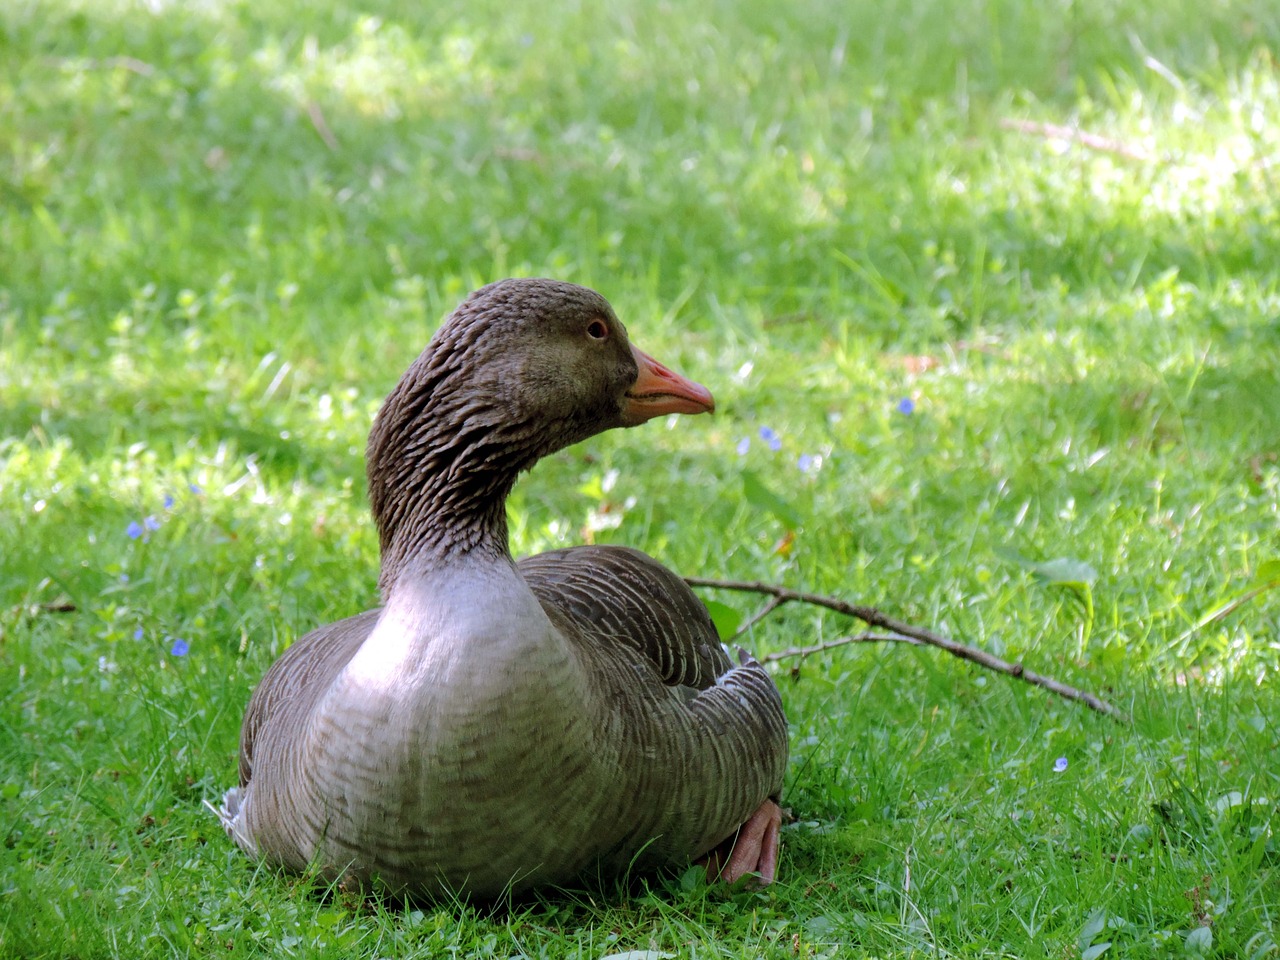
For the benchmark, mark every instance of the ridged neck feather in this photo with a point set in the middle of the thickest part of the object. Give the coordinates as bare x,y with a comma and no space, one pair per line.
442,457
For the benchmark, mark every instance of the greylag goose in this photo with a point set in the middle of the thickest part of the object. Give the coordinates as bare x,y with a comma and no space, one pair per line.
499,725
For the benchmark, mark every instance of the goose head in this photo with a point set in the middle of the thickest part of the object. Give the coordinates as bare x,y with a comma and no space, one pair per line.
521,369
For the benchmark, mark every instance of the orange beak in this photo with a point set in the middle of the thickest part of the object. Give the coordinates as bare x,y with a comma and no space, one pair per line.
658,390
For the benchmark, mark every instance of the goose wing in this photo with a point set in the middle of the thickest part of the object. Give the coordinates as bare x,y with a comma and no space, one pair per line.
620,595
302,674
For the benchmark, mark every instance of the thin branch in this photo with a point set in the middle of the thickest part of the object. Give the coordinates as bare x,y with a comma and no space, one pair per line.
321,127
840,642
1054,131
1219,612
874,618
132,64
57,606
773,604
36,609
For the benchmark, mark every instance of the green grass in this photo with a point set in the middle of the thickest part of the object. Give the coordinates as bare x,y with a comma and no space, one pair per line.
817,210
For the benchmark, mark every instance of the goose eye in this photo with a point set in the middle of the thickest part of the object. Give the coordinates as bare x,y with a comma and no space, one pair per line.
597,330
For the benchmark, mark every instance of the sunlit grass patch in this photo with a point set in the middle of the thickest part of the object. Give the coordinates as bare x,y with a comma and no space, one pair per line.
982,290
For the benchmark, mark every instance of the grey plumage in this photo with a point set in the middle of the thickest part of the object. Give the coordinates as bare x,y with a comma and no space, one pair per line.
497,725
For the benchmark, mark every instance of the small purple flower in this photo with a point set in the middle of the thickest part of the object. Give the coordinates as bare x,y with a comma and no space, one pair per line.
1060,764
906,406
743,446
805,462
194,489
179,648
168,501
137,634
134,530
771,438
151,523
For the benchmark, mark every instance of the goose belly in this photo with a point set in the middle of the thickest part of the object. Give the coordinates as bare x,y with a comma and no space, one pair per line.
480,773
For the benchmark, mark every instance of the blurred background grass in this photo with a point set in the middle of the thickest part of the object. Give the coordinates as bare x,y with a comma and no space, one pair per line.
226,228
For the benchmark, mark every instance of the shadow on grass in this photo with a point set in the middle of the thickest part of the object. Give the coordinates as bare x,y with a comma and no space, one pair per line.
411,180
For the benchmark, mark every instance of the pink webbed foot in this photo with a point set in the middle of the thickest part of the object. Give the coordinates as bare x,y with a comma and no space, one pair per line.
752,849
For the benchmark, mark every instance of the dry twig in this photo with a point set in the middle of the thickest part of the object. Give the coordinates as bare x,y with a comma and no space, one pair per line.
1092,141
838,642
321,127
132,64
902,633
773,604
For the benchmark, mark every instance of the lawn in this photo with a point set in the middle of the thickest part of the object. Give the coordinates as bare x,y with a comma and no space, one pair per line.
979,286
